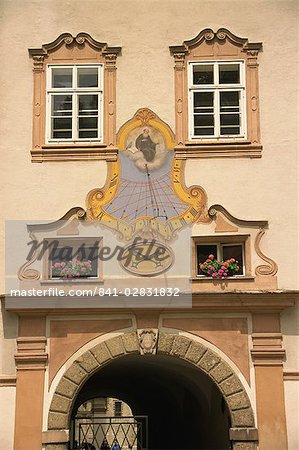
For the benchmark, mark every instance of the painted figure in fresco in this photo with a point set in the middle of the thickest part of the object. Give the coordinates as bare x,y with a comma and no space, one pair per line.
145,144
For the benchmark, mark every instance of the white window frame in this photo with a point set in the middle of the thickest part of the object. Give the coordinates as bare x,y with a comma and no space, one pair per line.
216,88
75,91
219,246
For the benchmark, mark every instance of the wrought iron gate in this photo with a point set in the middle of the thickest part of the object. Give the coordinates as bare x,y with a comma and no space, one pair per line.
131,432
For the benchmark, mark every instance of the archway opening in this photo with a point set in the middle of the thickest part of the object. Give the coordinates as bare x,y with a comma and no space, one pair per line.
185,408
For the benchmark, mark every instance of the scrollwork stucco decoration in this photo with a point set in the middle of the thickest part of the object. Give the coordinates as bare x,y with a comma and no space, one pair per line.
148,341
25,273
271,267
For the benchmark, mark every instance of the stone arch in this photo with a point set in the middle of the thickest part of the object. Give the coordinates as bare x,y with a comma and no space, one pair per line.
242,432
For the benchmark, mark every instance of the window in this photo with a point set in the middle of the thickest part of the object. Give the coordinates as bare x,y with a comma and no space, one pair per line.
217,96
221,252
74,98
74,103
222,248
74,259
217,100
117,408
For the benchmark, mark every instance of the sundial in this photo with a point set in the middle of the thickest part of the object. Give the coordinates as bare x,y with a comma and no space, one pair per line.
145,193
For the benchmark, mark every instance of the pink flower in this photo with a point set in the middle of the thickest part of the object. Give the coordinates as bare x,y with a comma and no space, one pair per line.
218,262
225,274
223,267
220,272
214,275
211,257
69,275
83,270
232,260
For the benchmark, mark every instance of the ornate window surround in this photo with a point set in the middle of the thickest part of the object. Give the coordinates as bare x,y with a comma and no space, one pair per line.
216,46
67,49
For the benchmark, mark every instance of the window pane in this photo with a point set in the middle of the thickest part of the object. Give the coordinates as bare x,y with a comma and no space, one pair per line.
59,255
203,131
62,77
229,101
62,128
88,134
89,255
203,252
88,77
229,73
88,122
61,105
234,251
203,74
229,119
88,116
229,131
63,123
117,409
88,104
203,101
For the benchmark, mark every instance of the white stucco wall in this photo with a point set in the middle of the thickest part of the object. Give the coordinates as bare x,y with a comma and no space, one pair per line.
7,417
291,389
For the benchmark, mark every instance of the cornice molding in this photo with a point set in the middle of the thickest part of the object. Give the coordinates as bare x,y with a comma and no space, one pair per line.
291,375
237,301
31,353
76,153
8,380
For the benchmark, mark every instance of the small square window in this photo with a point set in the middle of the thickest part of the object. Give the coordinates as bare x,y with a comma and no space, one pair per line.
71,259
221,252
117,408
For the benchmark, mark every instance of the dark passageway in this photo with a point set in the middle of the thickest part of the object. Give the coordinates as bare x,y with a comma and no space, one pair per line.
185,409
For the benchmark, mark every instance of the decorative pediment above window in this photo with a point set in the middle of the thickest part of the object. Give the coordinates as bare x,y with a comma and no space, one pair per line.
217,100
77,44
222,41
74,99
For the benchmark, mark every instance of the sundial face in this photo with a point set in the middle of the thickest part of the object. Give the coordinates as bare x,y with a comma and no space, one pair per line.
145,193
146,188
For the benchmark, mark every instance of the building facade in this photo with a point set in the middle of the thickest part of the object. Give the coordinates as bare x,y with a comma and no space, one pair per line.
150,224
